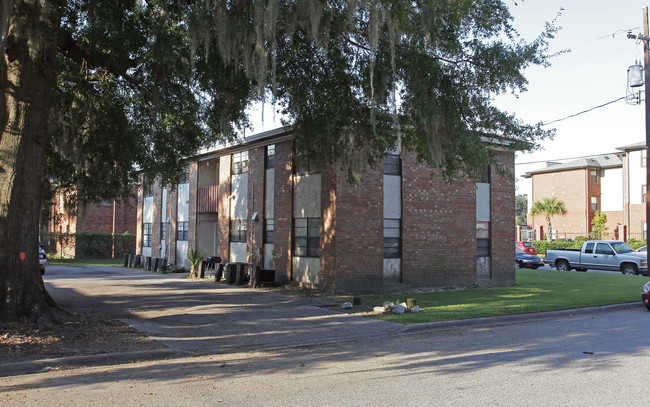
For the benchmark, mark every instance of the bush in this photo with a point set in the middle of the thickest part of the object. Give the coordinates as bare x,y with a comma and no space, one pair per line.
636,243
543,245
89,245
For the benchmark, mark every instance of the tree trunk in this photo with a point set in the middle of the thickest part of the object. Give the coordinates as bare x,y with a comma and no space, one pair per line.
28,81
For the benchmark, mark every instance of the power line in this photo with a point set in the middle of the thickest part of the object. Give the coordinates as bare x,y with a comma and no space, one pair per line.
584,111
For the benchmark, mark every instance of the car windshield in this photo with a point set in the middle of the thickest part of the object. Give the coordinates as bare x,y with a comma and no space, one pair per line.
528,244
622,247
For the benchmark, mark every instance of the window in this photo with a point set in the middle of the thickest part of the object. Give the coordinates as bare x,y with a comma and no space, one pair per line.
240,163
392,165
238,231
643,158
163,231
589,248
146,234
483,239
644,192
306,232
268,231
270,156
604,248
594,203
392,238
181,231
593,176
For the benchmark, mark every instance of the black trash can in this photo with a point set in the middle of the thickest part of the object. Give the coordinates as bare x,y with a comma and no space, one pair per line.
230,273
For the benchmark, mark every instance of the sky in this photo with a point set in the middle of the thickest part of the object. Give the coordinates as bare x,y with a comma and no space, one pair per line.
593,72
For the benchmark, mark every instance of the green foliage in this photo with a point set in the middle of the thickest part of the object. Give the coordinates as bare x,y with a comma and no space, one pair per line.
543,245
147,86
521,209
636,243
548,207
194,257
535,291
91,245
599,225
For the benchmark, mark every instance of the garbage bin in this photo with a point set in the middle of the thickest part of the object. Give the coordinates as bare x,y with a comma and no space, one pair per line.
219,273
230,273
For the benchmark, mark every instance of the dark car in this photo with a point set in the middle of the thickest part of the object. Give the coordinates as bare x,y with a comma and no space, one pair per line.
42,258
525,260
645,295
526,247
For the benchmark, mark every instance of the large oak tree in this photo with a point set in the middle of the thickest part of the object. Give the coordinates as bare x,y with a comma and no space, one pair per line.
92,89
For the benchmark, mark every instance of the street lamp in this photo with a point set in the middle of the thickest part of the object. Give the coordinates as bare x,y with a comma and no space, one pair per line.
637,82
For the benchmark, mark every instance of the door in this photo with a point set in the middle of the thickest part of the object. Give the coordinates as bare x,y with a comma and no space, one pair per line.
605,257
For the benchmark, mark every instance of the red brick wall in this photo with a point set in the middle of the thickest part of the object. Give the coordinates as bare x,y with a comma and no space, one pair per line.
172,212
223,232
352,240
283,207
502,215
438,228
157,219
255,202
139,217
191,215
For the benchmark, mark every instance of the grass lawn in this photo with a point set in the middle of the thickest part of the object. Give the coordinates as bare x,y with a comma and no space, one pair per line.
535,291
85,262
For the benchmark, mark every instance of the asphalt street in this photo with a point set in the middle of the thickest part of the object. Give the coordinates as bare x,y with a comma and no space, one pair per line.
290,352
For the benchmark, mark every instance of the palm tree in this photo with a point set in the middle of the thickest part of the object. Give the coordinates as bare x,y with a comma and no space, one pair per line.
548,207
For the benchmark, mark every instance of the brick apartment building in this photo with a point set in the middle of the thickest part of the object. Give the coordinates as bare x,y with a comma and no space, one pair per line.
111,217
614,184
250,203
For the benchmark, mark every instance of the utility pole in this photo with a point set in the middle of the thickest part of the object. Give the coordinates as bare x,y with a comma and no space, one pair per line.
646,78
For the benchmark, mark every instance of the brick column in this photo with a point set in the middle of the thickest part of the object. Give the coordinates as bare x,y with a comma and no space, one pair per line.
502,213
283,207
138,226
256,177
157,219
191,215
172,199
225,188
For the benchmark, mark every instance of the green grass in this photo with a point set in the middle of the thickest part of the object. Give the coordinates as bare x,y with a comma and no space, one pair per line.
85,262
535,291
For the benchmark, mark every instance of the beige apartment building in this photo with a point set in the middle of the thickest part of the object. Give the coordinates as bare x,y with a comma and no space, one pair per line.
613,183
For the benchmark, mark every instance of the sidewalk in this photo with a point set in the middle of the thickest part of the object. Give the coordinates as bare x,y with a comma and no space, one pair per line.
203,317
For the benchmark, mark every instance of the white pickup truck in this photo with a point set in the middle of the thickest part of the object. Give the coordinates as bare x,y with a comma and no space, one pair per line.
599,255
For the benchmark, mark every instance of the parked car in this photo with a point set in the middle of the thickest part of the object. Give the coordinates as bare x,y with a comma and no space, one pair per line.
42,258
642,249
599,255
526,247
645,295
525,260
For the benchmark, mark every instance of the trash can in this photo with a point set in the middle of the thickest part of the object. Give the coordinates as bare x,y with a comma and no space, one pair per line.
219,273
126,259
230,273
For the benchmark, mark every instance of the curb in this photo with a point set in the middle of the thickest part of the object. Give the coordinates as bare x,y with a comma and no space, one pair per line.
516,318
46,365
68,362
